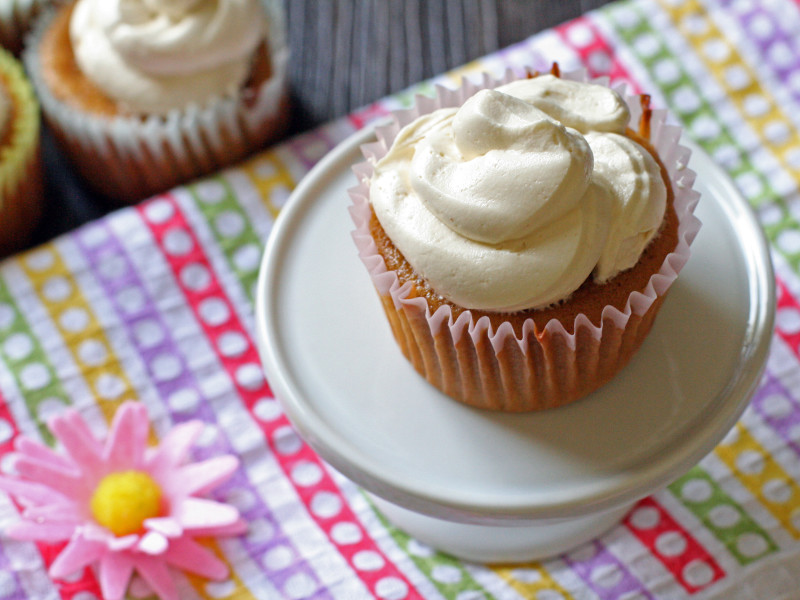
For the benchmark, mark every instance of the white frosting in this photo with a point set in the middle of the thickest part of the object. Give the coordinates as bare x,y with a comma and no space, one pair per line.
503,205
153,56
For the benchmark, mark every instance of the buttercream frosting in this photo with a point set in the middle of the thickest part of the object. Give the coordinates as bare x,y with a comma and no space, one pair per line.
512,200
153,56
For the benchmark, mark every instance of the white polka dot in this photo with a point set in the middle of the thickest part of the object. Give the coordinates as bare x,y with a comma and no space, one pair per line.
751,545
84,596
788,320
214,311
470,595
232,344
793,157
750,184
92,352
446,574
750,462
267,409
645,517
789,241
247,258
184,400
727,156
696,490
131,300
242,499
685,99
178,242
776,405
7,316
50,407
278,558
647,44
391,588
195,277
671,543
220,589
264,169
8,463
326,504
306,473
250,376
368,560
229,224
166,367
705,128
695,24
770,214
34,376
345,533
724,516
279,194
74,320
210,192
148,333
736,77
299,585
777,490
159,211
526,575
417,548
208,436
756,105
109,386
599,61
667,71
761,26
57,289
781,54
18,346
634,595
112,267
580,35
777,132
286,441
716,49
40,260
606,576
731,438
626,18
549,595
94,236
698,573
260,531
6,431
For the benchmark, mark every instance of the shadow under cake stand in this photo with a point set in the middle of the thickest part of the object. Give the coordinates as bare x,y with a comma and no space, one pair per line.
488,486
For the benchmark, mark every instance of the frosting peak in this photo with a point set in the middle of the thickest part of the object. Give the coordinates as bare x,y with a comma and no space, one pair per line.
512,200
156,55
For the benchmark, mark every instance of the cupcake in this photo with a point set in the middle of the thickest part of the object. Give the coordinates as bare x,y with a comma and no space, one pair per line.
522,237
21,183
16,18
143,96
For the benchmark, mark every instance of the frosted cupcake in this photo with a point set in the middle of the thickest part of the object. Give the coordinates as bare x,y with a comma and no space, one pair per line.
16,19
523,238
21,184
145,95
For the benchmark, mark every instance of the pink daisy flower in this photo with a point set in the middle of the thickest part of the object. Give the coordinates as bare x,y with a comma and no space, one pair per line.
121,505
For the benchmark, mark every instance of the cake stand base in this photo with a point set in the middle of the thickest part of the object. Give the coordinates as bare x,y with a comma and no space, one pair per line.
517,543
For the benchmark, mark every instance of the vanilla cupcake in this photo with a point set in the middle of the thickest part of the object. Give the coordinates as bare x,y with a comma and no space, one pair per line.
21,182
16,19
523,238
143,95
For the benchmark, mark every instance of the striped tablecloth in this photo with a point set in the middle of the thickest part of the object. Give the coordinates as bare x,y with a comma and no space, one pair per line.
155,303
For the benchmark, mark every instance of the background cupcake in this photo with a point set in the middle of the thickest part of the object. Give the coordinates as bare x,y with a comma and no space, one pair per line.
16,19
142,96
545,336
21,185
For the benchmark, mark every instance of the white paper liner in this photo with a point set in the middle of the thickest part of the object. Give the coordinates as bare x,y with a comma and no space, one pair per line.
664,137
142,156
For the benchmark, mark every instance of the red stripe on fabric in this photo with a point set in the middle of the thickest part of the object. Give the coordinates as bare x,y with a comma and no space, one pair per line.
301,465
597,55
67,589
682,555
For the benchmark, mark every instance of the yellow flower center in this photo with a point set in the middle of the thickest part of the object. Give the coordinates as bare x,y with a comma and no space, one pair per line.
122,501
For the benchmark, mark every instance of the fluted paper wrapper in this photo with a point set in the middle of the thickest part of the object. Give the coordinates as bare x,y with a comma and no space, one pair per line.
494,369
16,19
128,158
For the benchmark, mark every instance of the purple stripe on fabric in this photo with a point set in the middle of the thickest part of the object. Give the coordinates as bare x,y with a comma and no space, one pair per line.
604,573
776,405
10,587
178,387
310,147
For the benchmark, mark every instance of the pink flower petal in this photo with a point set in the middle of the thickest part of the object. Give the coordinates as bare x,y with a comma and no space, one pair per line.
154,571
174,448
67,483
153,543
167,526
45,532
127,440
38,451
200,478
237,528
33,492
188,555
77,438
195,513
57,512
118,544
115,572
78,554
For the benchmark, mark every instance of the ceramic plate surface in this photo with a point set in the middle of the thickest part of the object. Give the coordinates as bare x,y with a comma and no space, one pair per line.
331,360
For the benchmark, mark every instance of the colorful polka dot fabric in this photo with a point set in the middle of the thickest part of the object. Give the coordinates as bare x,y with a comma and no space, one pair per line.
155,303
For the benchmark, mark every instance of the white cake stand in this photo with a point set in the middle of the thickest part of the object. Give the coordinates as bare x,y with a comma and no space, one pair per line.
507,487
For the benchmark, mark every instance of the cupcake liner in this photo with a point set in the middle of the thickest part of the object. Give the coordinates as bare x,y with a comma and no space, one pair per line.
16,18
21,183
468,360
129,158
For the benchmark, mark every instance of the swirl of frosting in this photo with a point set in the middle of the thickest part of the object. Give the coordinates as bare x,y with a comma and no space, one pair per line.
152,56
503,205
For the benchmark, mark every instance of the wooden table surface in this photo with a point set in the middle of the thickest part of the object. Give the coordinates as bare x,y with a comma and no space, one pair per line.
348,53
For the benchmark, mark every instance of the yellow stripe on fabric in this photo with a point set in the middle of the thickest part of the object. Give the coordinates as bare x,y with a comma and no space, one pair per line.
737,79
763,477
269,175
528,580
